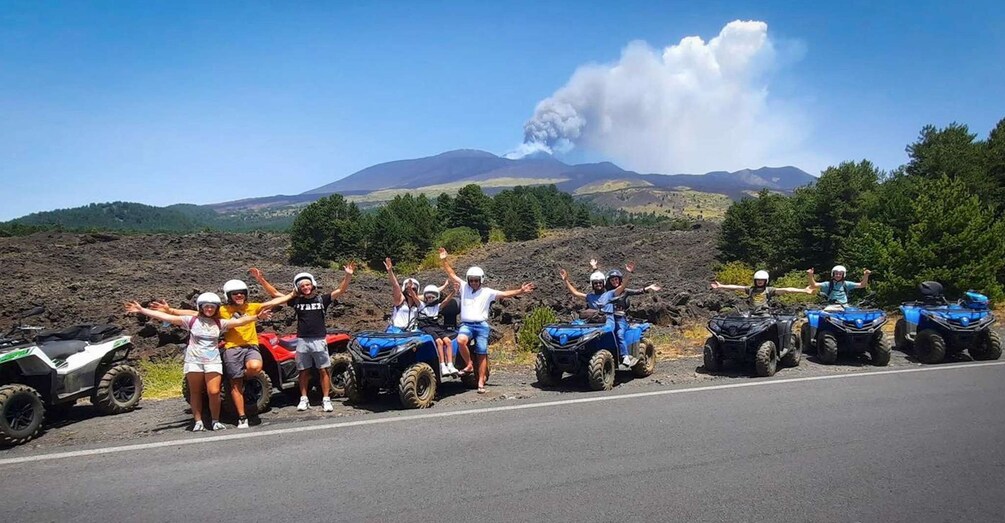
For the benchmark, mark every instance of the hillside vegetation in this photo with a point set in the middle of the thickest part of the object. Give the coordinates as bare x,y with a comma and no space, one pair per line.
939,217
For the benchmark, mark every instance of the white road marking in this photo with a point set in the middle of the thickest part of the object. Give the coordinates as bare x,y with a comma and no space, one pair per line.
485,410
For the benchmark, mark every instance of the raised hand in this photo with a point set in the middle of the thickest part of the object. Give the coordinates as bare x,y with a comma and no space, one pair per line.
349,269
630,267
866,272
527,287
564,274
387,264
265,315
714,285
255,273
160,305
133,306
654,288
593,263
809,271
443,253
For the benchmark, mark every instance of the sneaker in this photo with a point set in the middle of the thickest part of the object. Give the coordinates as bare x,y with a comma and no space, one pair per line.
451,370
303,403
198,427
444,370
242,422
327,406
218,426
629,361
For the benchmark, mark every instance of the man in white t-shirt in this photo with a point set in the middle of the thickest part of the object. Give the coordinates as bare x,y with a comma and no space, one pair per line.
476,302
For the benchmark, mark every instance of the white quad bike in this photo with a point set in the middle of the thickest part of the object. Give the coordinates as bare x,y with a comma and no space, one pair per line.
53,369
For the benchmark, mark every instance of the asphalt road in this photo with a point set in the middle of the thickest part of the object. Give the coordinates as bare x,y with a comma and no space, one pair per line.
898,445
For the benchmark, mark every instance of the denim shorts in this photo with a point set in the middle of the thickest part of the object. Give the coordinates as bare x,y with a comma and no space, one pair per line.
479,332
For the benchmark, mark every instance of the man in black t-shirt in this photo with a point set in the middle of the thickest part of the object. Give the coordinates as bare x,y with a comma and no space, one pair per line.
312,350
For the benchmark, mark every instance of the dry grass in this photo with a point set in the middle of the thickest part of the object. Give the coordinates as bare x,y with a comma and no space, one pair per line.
161,379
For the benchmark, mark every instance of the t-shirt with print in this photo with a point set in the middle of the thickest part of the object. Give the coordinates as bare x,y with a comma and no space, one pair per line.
839,295
203,338
475,305
243,335
311,315
760,296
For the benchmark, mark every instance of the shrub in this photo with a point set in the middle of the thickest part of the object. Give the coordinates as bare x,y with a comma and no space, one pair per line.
734,273
459,240
527,339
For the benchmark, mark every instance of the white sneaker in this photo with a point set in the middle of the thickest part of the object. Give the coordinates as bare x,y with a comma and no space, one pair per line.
452,371
242,423
327,406
444,370
198,427
303,403
629,361
218,426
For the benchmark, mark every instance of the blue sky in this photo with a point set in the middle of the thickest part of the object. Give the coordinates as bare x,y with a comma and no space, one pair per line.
168,102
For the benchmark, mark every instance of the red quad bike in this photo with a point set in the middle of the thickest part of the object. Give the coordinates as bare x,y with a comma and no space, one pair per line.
279,369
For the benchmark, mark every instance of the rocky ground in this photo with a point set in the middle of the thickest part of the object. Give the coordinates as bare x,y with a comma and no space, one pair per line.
86,277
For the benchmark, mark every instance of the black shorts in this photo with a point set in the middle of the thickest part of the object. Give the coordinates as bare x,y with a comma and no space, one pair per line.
438,332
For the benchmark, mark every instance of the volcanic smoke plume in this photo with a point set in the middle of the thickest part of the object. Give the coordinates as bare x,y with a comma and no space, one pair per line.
692,107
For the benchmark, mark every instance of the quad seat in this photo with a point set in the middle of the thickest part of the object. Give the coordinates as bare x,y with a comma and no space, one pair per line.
62,349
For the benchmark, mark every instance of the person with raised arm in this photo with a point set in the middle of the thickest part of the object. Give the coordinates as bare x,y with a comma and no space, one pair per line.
476,301
835,291
759,295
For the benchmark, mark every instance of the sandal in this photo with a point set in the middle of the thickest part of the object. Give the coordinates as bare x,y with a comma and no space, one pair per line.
482,390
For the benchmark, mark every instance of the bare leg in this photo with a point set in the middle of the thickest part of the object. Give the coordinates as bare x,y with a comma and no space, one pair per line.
213,381
304,379
326,383
252,368
482,366
196,387
237,395
448,352
462,345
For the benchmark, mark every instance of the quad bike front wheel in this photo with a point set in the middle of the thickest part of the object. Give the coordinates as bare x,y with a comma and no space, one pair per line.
21,414
119,390
795,354
417,387
930,347
647,361
900,335
340,363
355,390
827,348
879,350
547,374
600,371
712,355
766,359
988,347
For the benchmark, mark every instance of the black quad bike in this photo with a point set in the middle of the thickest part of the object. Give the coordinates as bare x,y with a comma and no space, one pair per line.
762,338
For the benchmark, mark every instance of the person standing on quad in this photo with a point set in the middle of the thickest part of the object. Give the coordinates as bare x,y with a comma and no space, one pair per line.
614,303
312,349
405,298
241,355
759,295
836,290
203,364
476,302
428,321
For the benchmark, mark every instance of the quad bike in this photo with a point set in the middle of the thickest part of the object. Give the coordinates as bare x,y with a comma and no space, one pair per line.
51,370
934,327
590,349
851,330
762,338
405,362
279,368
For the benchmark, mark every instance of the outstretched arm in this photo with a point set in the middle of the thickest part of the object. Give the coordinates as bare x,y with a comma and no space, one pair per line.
349,269
716,285
569,285
447,268
396,296
134,306
793,290
526,288
275,302
162,306
865,279
269,288
264,314
629,269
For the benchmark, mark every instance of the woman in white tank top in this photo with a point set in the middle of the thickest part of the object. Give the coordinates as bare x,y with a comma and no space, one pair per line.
406,300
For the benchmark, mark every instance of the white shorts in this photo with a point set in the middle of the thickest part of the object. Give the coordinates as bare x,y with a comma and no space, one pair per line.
207,368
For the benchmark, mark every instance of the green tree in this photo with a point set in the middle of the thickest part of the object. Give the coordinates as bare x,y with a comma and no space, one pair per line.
324,231
472,209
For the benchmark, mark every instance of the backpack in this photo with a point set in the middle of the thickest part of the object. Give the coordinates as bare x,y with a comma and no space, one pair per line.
832,288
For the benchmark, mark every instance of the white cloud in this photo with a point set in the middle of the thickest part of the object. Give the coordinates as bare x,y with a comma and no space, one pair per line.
692,107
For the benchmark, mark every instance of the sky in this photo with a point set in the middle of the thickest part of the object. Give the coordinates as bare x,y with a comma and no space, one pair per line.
168,102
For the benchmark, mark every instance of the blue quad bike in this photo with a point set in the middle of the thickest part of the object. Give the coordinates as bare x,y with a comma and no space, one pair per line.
767,340
404,362
851,330
934,327
589,349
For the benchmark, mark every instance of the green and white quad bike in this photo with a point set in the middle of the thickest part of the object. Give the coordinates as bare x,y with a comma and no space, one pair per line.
51,370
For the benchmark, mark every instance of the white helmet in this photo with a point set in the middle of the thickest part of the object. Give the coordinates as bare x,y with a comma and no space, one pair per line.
406,281
839,268
304,276
761,275
207,298
598,276
431,289
233,286
475,272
